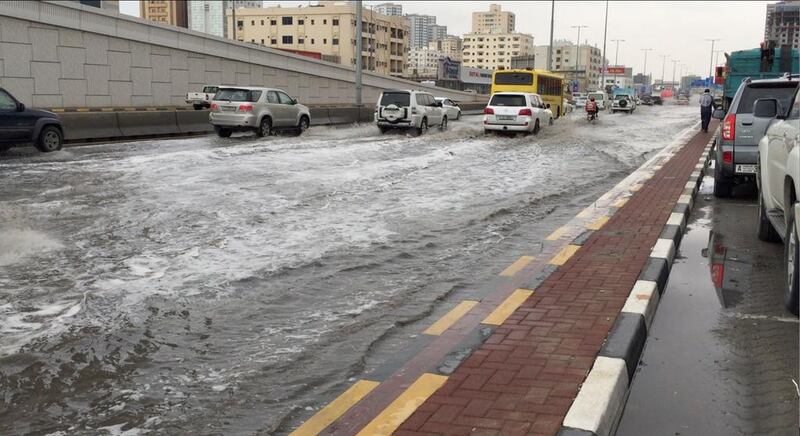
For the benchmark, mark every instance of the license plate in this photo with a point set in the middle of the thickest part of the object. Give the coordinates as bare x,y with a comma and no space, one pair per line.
746,169
506,117
228,108
390,109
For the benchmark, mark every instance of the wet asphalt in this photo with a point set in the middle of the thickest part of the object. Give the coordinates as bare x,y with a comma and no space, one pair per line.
722,354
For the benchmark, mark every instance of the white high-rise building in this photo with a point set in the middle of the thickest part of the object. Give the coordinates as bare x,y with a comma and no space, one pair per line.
392,9
423,29
208,16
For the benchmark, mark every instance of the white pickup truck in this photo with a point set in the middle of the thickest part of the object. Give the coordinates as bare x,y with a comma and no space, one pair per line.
778,178
200,100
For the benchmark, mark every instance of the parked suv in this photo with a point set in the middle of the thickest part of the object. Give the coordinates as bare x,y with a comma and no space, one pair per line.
409,109
736,148
262,110
516,112
20,125
779,184
623,103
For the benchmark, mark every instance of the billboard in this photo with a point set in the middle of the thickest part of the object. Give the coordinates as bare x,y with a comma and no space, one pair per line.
449,69
475,75
615,69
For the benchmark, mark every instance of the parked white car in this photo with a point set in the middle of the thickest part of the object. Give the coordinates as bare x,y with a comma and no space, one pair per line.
450,107
516,112
778,177
409,109
199,100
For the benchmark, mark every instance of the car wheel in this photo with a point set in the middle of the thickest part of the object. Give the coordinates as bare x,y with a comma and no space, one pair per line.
443,126
765,230
423,127
222,132
550,123
50,139
5,148
536,128
722,186
302,126
458,115
264,127
383,129
197,107
792,259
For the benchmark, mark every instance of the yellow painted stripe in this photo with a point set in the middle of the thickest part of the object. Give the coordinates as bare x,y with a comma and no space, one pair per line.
107,109
507,307
636,187
563,256
621,202
335,409
401,408
586,213
56,110
517,266
130,108
450,318
598,223
559,232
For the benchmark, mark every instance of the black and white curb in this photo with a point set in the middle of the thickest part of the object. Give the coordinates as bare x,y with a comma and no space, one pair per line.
601,399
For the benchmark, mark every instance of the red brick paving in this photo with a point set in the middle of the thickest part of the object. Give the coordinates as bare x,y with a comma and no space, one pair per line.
523,379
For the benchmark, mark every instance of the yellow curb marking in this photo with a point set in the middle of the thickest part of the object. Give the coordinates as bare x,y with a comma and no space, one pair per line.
558,233
515,267
57,110
621,202
563,256
401,408
636,187
450,318
507,307
336,408
107,109
598,223
82,109
586,213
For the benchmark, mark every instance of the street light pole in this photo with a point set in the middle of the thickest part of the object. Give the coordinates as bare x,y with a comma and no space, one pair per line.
550,47
711,61
603,70
674,65
359,48
577,52
644,69
663,66
616,58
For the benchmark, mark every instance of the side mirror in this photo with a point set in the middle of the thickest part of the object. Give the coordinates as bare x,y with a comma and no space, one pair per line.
294,101
547,106
20,107
765,108
438,104
718,114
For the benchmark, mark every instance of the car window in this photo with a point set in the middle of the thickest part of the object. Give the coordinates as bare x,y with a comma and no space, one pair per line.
420,99
272,97
431,100
508,100
210,89
448,102
284,98
784,92
255,96
396,98
234,94
794,113
6,102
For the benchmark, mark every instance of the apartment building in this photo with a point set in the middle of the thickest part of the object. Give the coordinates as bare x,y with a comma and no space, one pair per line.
391,9
494,50
173,12
423,29
106,5
328,29
450,45
589,62
208,16
782,24
423,63
494,21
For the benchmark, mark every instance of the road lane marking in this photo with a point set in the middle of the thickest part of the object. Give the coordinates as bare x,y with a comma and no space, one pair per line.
405,405
558,233
563,256
621,202
450,318
335,408
517,266
598,223
507,307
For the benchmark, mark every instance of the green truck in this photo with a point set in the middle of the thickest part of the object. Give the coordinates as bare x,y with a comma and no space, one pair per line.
757,63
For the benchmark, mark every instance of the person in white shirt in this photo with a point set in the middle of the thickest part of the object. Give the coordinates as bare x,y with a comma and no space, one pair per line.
706,107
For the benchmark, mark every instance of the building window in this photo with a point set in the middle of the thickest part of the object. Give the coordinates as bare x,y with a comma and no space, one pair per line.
286,39
301,40
262,42
262,22
301,22
324,21
239,23
273,22
273,41
335,41
252,22
286,20
312,22
335,22
312,40
324,40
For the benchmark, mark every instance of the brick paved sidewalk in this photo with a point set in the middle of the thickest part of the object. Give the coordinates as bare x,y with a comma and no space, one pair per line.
523,379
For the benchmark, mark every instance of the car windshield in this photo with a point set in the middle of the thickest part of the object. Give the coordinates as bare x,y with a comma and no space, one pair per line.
596,96
396,98
621,97
784,92
513,79
233,94
508,100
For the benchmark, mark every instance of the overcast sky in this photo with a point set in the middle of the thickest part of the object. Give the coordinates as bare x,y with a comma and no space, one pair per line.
678,29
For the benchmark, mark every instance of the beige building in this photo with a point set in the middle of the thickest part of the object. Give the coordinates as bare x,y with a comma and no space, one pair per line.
494,50
589,58
451,46
328,29
423,63
494,21
174,12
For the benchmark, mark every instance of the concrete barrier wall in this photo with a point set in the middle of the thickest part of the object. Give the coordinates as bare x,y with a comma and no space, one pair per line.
57,54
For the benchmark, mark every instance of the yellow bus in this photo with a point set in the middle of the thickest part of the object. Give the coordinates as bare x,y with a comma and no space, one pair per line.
549,86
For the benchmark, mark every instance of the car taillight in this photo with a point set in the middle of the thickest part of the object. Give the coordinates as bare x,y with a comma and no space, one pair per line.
214,107
729,127
727,157
488,111
245,108
525,111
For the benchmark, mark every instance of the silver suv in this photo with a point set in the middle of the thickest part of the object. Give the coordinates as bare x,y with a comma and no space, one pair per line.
263,110
408,109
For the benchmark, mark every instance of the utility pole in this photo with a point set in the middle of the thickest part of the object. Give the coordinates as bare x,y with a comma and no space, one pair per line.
603,70
550,47
359,48
233,8
674,65
711,62
577,53
663,66
644,69
616,58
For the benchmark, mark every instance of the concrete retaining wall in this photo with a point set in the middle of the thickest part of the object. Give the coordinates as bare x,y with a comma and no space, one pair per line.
62,54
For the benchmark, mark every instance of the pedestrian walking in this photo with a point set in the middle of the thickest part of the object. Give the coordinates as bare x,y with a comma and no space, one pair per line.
706,107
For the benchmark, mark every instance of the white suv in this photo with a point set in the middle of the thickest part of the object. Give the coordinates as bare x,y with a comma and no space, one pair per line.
409,109
778,177
623,103
516,112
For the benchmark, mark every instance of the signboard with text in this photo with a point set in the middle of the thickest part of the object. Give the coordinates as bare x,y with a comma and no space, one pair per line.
476,75
449,69
615,69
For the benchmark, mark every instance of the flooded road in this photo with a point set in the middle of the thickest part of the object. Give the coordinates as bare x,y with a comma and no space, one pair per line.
229,286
